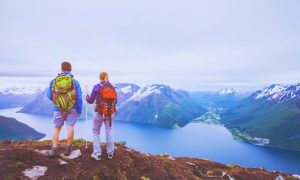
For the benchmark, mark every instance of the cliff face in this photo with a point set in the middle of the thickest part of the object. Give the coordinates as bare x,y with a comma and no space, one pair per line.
16,157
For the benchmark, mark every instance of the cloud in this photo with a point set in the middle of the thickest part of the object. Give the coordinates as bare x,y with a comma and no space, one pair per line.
195,44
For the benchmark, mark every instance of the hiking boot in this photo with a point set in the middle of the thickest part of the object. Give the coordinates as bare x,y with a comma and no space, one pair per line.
53,152
69,150
96,156
110,155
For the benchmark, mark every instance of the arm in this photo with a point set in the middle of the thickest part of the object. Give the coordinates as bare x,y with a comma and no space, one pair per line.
49,91
79,97
91,99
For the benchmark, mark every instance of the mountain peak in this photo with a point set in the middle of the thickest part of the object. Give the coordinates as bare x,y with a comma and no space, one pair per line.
150,90
228,91
274,89
127,88
146,91
15,90
279,93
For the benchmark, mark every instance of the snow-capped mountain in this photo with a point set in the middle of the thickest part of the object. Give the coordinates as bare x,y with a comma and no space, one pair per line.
41,105
278,93
154,104
125,91
272,113
17,96
155,89
19,90
228,92
160,105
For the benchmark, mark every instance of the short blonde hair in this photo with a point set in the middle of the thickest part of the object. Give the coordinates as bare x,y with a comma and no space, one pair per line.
104,76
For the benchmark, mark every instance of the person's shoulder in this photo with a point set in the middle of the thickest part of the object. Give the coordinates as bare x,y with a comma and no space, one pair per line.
97,86
108,84
76,83
52,81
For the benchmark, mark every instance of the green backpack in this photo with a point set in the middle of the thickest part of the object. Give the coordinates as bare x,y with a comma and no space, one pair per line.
64,92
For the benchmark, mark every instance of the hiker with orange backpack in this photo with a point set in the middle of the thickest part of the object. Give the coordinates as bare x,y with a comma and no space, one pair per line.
65,92
105,96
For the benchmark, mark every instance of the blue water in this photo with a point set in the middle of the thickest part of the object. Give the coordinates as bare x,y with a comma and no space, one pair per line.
199,140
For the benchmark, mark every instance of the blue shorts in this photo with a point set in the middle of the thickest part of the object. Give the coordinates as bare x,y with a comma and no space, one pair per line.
69,117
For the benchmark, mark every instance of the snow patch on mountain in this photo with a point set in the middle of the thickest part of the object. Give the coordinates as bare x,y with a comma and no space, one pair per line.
228,92
280,93
20,90
126,89
156,116
146,91
274,91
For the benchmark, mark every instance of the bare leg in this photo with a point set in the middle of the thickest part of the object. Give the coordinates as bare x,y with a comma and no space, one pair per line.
70,135
55,136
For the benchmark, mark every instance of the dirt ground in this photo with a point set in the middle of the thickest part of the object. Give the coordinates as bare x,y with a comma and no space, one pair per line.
127,163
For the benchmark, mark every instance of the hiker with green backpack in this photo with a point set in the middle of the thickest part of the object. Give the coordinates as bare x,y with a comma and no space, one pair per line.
65,92
105,96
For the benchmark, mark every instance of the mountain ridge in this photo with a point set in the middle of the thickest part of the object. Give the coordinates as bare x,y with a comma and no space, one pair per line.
156,104
17,96
160,104
11,129
271,115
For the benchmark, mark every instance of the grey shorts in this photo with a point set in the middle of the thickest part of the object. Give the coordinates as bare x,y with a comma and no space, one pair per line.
60,118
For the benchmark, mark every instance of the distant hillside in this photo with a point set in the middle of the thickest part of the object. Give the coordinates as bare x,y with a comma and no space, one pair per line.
160,105
225,98
127,163
155,104
11,129
17,96
125,91
229,92
271,115
40,105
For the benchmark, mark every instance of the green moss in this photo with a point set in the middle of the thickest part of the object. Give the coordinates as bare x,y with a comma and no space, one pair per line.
209,172
123,143
122,175
231,165
11,177
96,177
144,178
80,142
19,164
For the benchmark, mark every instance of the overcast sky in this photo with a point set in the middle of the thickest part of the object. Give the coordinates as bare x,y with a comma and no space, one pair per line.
189,44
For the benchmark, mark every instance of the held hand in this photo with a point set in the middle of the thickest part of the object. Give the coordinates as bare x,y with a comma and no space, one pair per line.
77,115
87,96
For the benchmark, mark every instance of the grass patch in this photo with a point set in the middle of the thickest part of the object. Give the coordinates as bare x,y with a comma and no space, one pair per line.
123,143
19,164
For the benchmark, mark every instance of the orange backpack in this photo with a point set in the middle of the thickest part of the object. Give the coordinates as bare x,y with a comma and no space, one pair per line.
108,96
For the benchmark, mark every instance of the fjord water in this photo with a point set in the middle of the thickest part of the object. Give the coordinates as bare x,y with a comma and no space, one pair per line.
197,140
